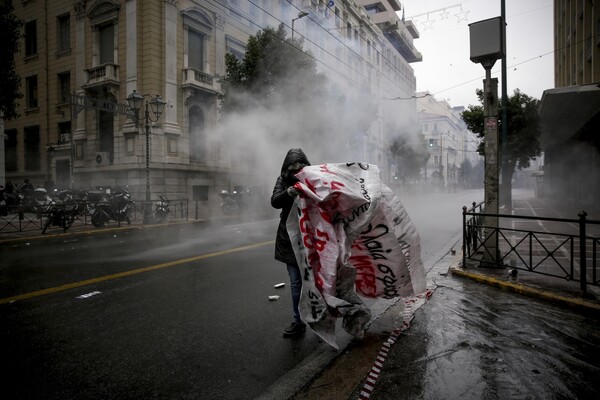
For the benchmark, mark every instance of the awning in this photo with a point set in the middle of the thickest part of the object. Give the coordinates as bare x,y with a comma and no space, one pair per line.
564,111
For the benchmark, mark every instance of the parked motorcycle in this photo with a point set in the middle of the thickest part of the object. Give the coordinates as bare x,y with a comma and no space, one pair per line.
228,203
112,206
236,201
162,209
61,211
33,200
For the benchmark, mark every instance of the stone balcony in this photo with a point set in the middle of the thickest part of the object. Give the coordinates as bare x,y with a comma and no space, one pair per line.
197,80
102,75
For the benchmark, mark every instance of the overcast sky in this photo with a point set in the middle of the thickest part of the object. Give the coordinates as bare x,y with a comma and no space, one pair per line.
446,70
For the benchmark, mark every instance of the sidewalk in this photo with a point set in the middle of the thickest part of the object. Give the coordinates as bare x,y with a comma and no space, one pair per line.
78,229
562,291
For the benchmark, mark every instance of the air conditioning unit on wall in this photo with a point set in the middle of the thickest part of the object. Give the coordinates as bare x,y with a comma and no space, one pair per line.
102,158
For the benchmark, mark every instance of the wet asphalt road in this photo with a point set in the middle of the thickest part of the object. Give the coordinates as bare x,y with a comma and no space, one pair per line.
201,328
472,341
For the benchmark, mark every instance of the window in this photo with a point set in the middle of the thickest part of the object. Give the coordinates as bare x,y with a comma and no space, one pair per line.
254,11
63,24
64,87
106,129
235,47
11,150
198,30
431,142
172,146
64,132
196,50
106,35
197,135
30,38
32,148
103,16
31,84
200,192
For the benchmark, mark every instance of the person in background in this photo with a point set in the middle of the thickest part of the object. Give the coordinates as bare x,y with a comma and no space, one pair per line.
26,186
282,198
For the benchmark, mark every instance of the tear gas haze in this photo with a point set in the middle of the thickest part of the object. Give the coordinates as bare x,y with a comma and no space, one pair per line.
351,115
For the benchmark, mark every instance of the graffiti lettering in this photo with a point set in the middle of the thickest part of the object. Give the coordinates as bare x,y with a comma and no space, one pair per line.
376,250
370,229
324,168
365,275
389,281
363,166
355,214
363,189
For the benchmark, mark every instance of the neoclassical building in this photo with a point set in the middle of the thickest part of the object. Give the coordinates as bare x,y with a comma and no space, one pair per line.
81,60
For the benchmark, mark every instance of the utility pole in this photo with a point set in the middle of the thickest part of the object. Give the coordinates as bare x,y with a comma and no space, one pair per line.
487,47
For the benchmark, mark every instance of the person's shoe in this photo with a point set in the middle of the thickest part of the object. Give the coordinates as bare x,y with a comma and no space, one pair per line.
294,329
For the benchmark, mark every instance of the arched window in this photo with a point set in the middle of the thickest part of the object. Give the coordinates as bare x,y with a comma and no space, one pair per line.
198,149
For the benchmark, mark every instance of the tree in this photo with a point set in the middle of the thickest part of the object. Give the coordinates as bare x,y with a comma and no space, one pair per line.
523,136
10,31
274,69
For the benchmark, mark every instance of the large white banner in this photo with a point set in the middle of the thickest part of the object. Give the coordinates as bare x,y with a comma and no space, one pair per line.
352,237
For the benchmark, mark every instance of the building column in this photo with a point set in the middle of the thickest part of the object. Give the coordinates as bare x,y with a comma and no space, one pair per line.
170,113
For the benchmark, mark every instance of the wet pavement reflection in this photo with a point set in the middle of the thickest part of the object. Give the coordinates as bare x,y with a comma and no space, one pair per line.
473,341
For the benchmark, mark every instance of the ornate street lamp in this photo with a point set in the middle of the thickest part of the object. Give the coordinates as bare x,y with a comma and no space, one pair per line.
157,104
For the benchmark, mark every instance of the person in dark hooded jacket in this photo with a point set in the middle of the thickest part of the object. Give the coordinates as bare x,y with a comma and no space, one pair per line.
283,196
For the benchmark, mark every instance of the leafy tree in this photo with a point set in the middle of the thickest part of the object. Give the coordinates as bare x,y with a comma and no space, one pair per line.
522,133
273,70
10,31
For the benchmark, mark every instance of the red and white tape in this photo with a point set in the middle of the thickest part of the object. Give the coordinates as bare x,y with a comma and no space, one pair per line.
411,304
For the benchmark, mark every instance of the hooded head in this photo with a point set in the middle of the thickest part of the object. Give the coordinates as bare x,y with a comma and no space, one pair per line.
294,161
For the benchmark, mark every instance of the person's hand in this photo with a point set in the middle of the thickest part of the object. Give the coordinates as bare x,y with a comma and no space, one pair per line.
292,191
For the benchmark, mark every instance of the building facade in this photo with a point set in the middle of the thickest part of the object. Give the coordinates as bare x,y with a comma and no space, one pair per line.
81,60
570,113
449,142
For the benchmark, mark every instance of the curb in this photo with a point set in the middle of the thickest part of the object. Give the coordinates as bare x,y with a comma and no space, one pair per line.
573,302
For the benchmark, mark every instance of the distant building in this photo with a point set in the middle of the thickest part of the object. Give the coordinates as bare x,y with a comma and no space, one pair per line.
448,140
570,113
80,60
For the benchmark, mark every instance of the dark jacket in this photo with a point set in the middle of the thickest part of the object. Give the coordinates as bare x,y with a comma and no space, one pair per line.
280,199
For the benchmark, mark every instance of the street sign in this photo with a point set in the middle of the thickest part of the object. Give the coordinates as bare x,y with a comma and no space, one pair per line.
90,103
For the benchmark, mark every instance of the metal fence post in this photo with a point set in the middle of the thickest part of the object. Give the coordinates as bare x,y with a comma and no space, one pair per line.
464,245
582,255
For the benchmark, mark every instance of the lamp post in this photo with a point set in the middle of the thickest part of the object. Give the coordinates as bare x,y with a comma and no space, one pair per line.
157,105
50,150
301,14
